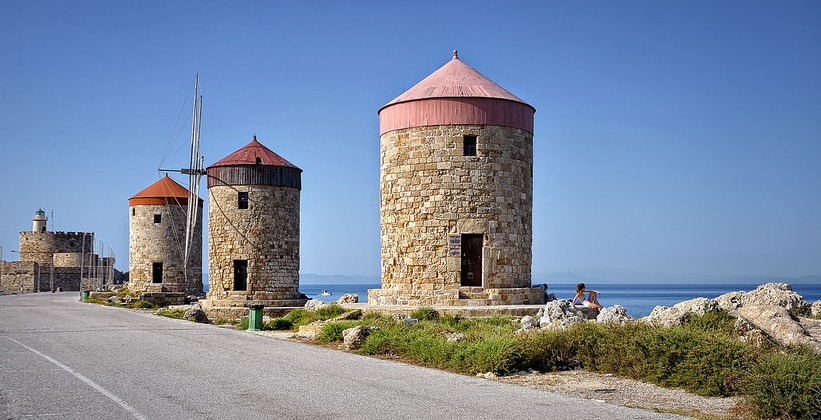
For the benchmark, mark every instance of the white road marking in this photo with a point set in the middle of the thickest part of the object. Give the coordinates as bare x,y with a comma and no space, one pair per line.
90,383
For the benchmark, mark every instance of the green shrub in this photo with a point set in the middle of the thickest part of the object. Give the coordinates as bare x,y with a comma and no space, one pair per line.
278,324
301,316
785,385
139,304
172,313
425,314
329,311
545,351
97,301
333,330
243,323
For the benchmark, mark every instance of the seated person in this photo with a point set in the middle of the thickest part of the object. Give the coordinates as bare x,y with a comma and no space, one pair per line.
592,297
548,297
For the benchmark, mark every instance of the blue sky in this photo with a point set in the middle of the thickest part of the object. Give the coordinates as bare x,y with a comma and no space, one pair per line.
670,137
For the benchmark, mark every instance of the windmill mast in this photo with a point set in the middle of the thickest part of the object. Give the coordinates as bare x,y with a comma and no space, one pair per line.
195,171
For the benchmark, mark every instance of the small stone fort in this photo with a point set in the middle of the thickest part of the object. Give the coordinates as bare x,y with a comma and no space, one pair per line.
56,261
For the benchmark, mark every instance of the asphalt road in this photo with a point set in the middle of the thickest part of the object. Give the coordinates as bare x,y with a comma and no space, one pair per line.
63,359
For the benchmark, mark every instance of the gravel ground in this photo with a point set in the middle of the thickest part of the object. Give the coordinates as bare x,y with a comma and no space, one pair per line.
625,392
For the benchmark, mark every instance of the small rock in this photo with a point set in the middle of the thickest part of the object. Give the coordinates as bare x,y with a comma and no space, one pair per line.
454,337
348,298
354,337
314,304
560,315
528,320
815,308
196,314
615,314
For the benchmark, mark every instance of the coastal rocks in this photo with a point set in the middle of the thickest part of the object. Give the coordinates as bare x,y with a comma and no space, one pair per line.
527,323
314,304
560,315
777,323
730,301
616,314
779,294
348,298
679,313
815,308
354,337
196,314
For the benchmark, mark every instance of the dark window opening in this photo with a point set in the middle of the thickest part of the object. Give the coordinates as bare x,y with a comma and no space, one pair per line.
472,259
242,200
240,274
156,272
158,218
469,146
133,212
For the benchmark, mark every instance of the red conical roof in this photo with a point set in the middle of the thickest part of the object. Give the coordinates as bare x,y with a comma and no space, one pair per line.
456,94
253,153
455,80
164,191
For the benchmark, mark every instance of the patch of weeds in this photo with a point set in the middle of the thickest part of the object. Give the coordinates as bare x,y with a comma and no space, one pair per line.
279,324
425,314
785,385
301,316
330,311
243,323
333,330
140,304
171,313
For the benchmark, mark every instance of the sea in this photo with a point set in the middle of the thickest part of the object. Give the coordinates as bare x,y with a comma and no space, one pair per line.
638,299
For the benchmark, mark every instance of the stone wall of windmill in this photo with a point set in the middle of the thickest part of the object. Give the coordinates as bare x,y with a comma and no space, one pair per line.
158,217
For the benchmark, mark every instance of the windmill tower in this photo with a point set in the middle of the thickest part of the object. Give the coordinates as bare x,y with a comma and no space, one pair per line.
253,230
158,261
456,193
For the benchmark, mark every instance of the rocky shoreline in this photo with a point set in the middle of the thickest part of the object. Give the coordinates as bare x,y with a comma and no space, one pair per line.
773,311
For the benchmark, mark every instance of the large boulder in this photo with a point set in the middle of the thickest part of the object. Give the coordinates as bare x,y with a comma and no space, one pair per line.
560,315
777,323
615,314
778,294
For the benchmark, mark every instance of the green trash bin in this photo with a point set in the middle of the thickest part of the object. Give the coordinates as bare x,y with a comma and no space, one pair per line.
85,296
255,318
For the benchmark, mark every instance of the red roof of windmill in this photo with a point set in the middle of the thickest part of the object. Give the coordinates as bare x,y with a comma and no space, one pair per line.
455,80
253,153
164,191
456,94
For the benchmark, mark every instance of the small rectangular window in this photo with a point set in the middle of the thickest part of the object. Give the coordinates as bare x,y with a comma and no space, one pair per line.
470,146
158,218
242,200
133,212
156,272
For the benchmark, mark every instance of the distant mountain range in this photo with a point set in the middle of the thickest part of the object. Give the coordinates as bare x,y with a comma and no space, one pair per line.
637,277
309,278
591,277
